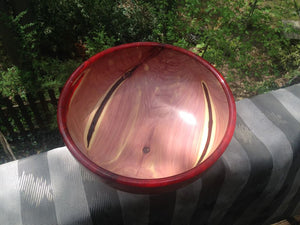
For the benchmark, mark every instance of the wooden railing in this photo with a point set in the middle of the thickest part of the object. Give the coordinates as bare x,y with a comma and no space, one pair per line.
19,115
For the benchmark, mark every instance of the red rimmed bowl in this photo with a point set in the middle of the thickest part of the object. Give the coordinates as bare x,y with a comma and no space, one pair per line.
146,117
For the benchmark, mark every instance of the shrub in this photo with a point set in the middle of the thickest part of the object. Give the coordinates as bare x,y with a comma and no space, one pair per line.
244,36
11,82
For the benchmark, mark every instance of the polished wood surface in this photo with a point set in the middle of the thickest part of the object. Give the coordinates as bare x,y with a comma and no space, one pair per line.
147,112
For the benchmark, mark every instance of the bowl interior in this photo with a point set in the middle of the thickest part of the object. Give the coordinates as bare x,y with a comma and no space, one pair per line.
147,111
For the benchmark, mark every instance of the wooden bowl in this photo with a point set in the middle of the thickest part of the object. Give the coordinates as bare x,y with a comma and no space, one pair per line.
146,117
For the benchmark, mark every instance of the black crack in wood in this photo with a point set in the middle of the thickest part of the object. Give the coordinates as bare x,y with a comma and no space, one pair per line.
154,53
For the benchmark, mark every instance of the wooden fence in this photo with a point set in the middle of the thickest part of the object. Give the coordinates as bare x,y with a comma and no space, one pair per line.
20,115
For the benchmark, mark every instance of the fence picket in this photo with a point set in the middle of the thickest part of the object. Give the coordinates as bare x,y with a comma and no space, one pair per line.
43,102
27,115
13,112
6,123
35,110
24,112
53,99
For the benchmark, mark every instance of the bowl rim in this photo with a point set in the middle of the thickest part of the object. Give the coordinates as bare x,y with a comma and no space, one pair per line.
136,184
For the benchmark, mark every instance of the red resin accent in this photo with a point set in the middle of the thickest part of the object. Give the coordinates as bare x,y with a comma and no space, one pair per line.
146,117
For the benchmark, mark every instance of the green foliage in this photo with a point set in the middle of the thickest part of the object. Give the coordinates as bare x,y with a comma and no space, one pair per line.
247,37
292,77
55,72
99,42
11,82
